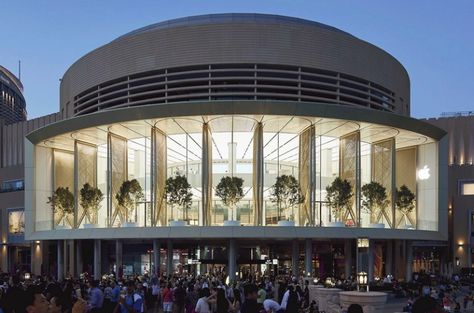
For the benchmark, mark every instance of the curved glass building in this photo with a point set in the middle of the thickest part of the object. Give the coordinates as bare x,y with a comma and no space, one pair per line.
250,96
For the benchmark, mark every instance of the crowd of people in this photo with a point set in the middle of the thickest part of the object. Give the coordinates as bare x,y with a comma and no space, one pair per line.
151,294
210,293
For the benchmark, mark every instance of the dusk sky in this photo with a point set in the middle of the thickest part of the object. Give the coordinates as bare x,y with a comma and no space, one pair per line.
434,40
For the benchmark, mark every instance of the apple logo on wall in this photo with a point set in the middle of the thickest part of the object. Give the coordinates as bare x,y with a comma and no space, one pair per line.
424,173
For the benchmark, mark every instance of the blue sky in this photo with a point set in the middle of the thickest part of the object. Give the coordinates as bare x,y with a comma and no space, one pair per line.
433,39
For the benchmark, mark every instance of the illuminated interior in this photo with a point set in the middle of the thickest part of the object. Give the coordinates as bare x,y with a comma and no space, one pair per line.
256,148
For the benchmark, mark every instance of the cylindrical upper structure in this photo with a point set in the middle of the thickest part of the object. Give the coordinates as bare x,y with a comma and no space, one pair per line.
12,102
235,57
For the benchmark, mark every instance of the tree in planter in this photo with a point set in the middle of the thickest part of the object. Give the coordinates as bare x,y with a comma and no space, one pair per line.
62,202
287,192
339,197
178,192
374,199
405,201
91,197
129,195
230,191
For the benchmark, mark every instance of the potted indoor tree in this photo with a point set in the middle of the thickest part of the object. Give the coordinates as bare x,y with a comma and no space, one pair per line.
339,198
231,192
374,201
286,193
178,192
62,203
405,203
91,198
128,197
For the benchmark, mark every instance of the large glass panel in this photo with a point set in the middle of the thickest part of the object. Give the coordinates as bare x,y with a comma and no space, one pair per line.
281,157
63,177
43,184
184,153
138,159
327,169
406,175
86,168
427,186
232,153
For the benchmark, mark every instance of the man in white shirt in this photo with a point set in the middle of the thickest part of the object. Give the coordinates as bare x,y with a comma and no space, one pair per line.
284,300
271,306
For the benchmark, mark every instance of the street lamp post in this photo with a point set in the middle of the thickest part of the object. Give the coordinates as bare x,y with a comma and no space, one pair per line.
362,281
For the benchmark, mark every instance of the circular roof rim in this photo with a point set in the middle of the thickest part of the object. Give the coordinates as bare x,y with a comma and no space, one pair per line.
228,107
219,18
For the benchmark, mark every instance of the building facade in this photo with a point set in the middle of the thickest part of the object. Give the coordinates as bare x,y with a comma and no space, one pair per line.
251,96
460,129
12,102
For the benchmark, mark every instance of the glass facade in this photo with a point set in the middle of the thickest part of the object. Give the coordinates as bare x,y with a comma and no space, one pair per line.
257,149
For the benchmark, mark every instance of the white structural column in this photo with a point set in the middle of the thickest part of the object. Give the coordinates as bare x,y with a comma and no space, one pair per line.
60,258
232,266
389,258
295,258
206,175
97,258
347,258
156,257
169,258
370,272
79,264
409,257
308,258
258,173
118,258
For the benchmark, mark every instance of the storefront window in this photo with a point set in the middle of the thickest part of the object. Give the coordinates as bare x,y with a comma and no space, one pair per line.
16,222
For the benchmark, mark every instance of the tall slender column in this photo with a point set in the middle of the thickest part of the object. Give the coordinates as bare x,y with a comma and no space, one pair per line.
307,175
206,174
71,258
97,258
308,258
118,258
370,272
169,258
295,258
409,257
232,266
79,264
60,258
347,258
158,172
36,257
389,258
258,175
4,258
156,257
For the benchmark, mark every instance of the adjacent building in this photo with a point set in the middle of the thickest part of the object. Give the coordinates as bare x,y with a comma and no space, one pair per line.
12,102
460,129
251,96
